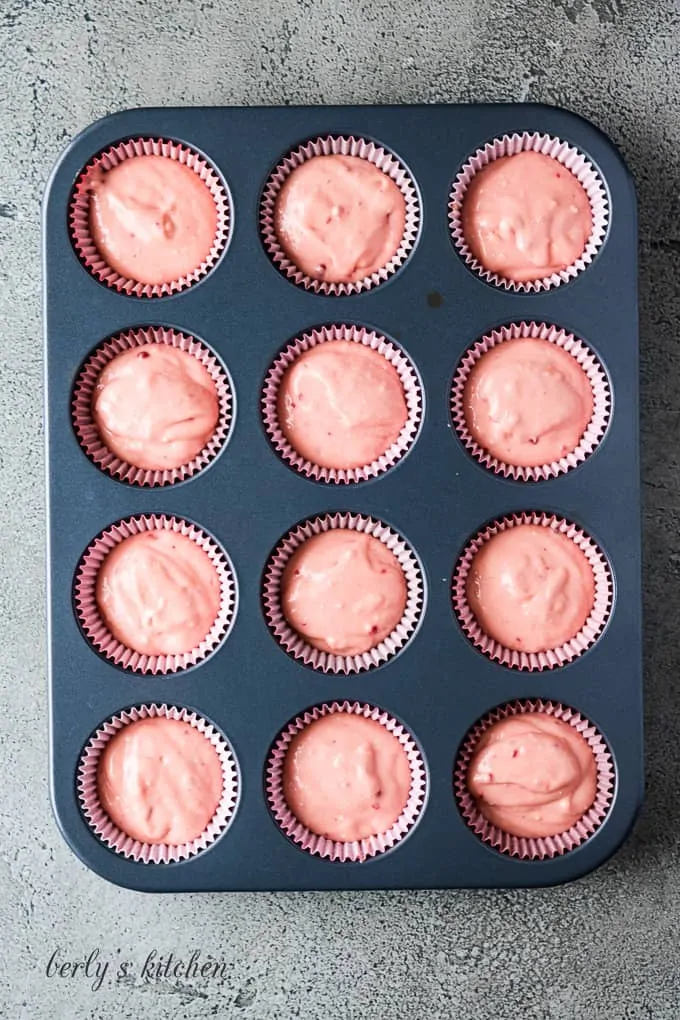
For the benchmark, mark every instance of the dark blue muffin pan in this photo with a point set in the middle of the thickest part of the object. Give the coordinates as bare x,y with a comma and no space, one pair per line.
437,497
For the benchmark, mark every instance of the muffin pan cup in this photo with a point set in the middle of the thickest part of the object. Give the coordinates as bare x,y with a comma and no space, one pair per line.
84,390
337,850
594,430
550,658
93,622
361,148
563,153
294,643
374,342
435,498
105,828
538,847
79,214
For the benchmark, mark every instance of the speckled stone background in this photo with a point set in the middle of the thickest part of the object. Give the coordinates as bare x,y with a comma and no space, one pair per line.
607,947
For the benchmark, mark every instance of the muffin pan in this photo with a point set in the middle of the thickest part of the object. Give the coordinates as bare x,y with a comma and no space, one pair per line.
434,683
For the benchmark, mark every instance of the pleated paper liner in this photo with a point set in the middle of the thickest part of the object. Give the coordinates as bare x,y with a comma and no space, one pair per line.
79,214
346,146
333,850
348,334
294,644
542,847
82,406
590,364
567,156
93,624
552,657
115,838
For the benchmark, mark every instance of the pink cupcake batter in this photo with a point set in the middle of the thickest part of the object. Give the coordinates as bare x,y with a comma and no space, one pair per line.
155,406
158,593
346,777
339,218
526,217
532,775
527,402
341,405
343,591
530,588
152,219
160,781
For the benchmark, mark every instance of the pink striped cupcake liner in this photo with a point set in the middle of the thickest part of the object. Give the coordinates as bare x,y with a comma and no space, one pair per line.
93,624
567,156
545,847
294,644
115,838
584,357
84,390
553,657
332,850
79,214
349,334
345,146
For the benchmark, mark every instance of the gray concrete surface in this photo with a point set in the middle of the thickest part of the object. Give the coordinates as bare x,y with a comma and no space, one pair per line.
606,947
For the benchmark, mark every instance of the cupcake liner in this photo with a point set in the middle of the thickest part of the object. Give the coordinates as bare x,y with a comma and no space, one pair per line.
92,622
345,146
535,661
79,214
332,850
539,848
568,156
592,367
115,838
376,342
294,644
86,429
